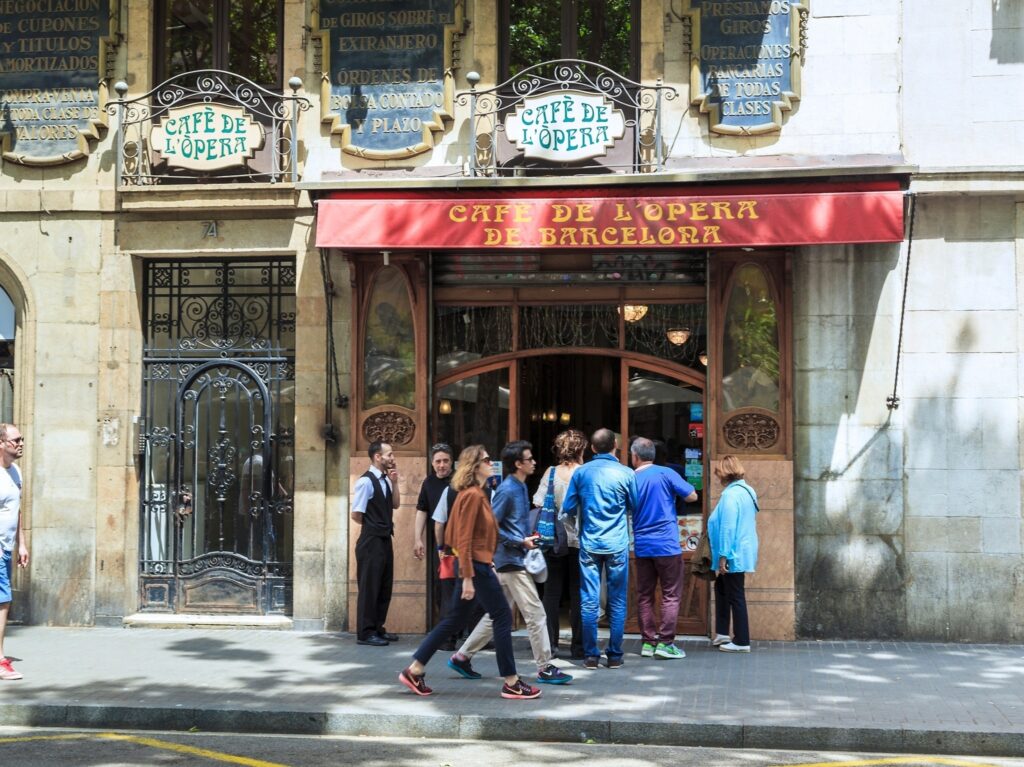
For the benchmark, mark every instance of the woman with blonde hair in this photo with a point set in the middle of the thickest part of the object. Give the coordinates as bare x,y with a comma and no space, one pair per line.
564,557
472,533
732,532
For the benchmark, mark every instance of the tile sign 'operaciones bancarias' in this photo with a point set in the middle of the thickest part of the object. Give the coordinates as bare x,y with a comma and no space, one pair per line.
52,78
387,64
745,60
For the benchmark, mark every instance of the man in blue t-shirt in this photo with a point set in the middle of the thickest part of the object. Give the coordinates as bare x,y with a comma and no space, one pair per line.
659,557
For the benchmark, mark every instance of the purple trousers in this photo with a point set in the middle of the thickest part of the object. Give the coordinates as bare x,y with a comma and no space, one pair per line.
649,571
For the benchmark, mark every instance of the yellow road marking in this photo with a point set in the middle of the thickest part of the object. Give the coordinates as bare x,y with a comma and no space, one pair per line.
162,745
28,738
894,760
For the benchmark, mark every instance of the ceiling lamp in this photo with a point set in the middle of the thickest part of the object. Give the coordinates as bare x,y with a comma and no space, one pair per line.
564,419
678,336
444,407
634,312
703,357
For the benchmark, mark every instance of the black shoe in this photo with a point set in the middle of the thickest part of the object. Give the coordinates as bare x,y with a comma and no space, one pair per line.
448,646
373,641
387,636
577,655
591,662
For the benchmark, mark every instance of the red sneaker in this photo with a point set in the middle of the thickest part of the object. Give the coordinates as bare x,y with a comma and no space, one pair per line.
519,691
7,670
414,683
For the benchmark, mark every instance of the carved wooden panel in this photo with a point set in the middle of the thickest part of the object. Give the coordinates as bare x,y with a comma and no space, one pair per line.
751,431
389,426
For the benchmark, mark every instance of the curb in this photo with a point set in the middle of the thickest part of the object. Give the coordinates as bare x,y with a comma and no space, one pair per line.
471,727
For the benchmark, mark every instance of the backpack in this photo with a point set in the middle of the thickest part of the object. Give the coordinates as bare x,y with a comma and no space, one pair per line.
548,515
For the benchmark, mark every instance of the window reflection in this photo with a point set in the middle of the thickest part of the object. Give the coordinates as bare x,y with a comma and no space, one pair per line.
671,413
464,334
474,410
390,344
240,36
750,362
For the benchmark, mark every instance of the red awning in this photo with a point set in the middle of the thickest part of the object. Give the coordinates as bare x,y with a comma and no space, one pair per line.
612,218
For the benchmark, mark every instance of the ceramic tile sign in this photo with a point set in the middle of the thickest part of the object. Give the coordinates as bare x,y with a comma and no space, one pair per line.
745,61
207,137
388,88
52,78
565,126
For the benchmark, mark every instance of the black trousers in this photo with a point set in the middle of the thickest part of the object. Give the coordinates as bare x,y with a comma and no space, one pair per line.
563,571
449,602
731,598
375,572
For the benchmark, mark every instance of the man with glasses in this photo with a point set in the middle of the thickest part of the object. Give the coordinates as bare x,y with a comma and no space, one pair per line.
12,444
511,507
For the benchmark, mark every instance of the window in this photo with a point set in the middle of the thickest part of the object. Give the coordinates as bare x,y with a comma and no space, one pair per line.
601,31
389,344
750,366
7,328
239,36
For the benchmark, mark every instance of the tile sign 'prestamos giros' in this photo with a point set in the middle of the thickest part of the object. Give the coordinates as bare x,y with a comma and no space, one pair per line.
745,60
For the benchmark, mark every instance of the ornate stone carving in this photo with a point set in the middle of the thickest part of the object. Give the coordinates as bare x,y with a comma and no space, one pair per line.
389,426
751,431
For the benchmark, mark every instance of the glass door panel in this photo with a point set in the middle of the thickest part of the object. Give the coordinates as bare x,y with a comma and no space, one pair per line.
475,411
671,412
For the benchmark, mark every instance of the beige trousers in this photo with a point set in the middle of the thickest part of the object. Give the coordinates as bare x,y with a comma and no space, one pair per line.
520,591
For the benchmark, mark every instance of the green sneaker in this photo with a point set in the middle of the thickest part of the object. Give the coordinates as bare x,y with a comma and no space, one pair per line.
668,651
647,650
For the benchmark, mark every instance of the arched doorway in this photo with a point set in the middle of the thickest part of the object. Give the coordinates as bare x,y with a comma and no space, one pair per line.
534,394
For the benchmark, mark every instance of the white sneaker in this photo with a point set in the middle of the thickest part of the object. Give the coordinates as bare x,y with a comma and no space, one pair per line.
720,639
730,647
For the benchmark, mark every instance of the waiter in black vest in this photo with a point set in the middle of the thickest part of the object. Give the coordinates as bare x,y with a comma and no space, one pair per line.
374,499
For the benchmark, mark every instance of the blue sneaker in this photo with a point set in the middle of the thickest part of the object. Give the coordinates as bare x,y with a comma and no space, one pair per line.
463,668
551,674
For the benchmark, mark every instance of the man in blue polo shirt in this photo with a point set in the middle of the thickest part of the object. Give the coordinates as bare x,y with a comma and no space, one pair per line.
601,493
659,557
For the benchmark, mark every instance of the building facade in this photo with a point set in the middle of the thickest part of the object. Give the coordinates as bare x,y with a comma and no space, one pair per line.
244,240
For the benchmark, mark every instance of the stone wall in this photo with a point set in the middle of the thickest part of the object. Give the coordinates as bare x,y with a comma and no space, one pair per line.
850,559
909,522
962,400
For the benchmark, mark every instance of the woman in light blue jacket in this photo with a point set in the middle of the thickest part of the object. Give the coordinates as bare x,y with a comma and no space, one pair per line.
732,532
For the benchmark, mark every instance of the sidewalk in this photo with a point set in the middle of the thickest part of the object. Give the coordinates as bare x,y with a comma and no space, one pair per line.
871,696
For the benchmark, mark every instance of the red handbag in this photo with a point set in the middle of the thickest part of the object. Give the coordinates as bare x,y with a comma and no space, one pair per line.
446,569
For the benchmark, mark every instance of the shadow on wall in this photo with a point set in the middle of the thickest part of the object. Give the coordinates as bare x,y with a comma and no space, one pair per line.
1007,45
850,565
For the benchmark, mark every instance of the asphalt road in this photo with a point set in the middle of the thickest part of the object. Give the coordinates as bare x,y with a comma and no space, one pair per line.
66,748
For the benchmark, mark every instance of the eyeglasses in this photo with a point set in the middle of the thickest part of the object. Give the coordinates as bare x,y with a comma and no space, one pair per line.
17,441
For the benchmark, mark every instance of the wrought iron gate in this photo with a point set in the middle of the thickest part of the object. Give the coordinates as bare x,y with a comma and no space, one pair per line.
217,436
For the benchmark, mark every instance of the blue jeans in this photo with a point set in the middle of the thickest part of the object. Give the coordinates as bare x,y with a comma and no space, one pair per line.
459,611
616,568
6,557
